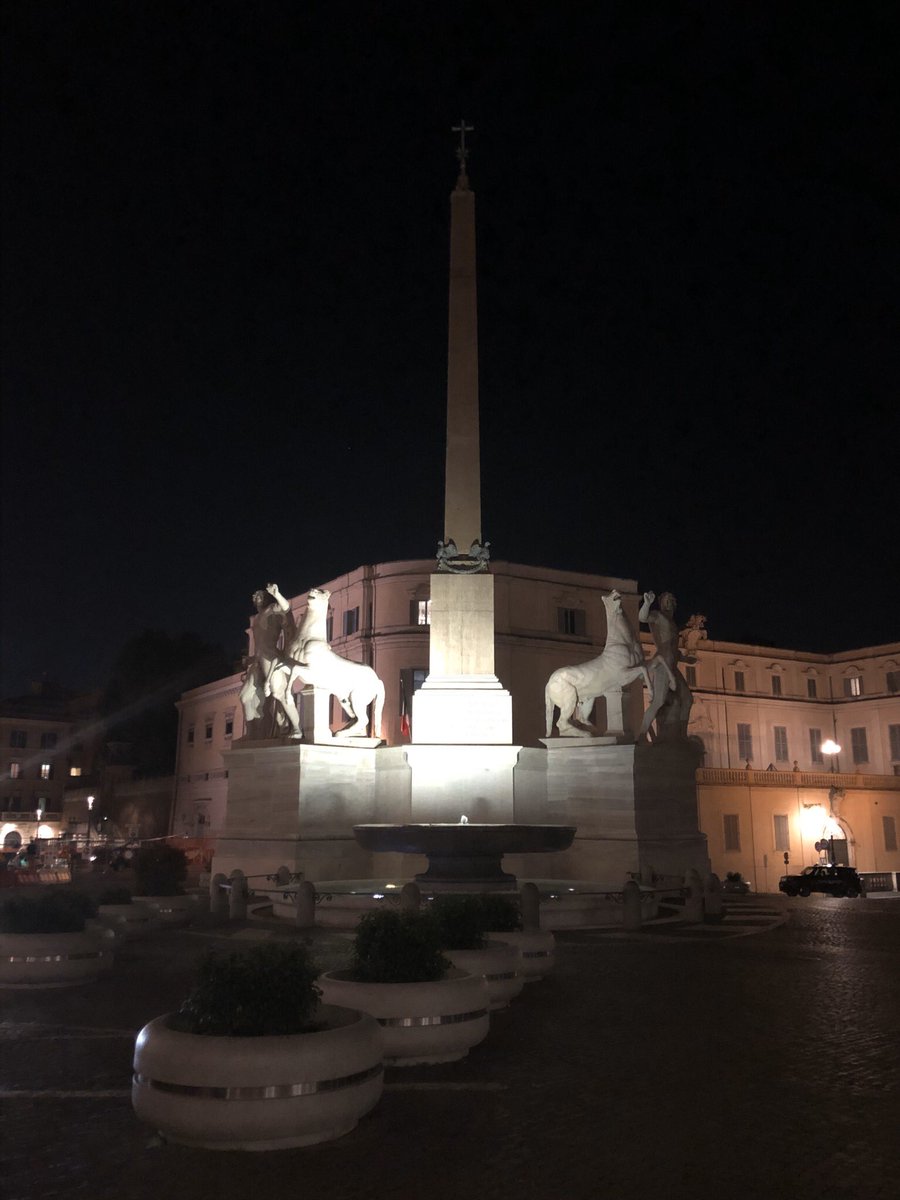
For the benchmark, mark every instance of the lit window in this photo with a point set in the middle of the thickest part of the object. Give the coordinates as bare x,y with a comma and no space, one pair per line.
739,685
859,745
815,746
351,621
420,612
781,743
776,688
732,828
15,770
571,621
46,771
811,689
74,772
745,742
853,686
782,832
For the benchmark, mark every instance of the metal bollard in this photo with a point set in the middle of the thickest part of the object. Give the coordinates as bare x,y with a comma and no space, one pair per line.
218,897
305,915
693,904
237,897
631,906
410,898
530,902
712,898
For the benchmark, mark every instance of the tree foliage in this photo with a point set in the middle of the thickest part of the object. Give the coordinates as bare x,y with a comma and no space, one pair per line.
150,673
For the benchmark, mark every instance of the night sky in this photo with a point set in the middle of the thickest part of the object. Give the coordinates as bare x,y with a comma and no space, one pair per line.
225,307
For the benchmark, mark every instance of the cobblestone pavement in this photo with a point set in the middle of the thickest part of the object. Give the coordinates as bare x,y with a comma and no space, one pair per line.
653,1065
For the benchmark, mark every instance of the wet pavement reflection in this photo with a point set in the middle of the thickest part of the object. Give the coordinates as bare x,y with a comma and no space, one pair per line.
762,1066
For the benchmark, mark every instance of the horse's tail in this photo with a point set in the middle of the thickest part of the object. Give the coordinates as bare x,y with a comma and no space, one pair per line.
378,708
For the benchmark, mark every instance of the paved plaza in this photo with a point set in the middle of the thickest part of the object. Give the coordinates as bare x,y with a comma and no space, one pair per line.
759,1058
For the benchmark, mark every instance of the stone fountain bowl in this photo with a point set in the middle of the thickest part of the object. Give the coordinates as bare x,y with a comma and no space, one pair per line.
465,855
472,838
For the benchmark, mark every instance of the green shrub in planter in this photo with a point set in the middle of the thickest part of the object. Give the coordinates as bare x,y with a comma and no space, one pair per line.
397,947
115,895
465,919
267,990
500,914
460,922
51,912
160,870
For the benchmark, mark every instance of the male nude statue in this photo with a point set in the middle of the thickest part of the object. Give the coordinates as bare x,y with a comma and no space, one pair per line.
269,671
672,700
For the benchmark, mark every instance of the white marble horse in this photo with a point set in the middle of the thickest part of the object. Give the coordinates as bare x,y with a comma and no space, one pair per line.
315,663
576,688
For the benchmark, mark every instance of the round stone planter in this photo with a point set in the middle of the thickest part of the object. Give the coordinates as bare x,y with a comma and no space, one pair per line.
432,1022
53,959
128,921
537,951
171,911
258,1093
498,963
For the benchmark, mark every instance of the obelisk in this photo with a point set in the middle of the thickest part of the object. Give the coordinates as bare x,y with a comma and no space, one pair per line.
462,703
462,490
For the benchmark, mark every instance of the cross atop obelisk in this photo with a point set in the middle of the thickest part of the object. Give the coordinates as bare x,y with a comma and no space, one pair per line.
461,152
462,487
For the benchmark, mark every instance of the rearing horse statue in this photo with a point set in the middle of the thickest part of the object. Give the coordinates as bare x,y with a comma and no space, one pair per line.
576,688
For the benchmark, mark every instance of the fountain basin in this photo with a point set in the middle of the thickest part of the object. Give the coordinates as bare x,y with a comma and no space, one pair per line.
464,854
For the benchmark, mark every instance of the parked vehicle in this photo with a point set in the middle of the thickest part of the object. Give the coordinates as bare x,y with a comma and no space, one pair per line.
833,881
735,882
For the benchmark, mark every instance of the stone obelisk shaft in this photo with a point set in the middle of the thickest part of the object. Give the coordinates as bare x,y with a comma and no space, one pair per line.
462,702
462,492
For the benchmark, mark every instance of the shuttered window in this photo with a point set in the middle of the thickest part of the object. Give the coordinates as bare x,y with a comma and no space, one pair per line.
859,745
732,828
815,746
745,742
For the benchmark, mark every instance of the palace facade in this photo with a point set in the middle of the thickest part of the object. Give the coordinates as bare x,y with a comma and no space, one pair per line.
768,791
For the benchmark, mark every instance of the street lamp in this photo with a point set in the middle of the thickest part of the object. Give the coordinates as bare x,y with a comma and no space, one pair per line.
90,804
832,749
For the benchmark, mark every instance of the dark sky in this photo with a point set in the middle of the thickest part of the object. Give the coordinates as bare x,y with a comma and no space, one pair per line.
225,305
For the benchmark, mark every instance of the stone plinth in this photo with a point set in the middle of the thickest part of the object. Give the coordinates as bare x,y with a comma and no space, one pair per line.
461,711
635,808
448,782
296,804
461,637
